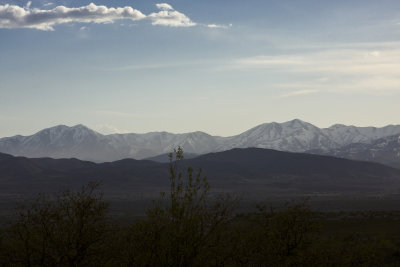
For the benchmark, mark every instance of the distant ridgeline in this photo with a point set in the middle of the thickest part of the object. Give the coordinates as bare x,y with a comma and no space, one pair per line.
360,143
252,171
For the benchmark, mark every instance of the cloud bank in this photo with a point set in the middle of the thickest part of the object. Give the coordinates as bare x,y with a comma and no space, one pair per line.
13,16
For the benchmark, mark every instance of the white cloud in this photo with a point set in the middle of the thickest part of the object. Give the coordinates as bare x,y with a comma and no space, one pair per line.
170,17
164,6
48,4
12,16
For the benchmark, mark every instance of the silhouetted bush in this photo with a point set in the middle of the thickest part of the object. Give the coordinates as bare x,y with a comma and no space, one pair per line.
183,226
68,229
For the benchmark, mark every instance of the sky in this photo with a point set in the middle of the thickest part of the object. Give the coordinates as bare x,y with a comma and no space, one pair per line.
216,66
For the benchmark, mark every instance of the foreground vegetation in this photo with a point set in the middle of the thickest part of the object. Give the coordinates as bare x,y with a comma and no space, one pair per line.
188,226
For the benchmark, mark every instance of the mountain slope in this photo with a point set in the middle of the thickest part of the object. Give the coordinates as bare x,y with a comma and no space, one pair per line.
294,136
60,142
384,150
296,171
345,135
258,172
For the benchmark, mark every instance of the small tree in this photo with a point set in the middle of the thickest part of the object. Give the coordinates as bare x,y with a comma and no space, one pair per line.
182,226
65,230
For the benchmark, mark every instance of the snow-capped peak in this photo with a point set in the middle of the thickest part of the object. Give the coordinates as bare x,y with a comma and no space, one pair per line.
81,142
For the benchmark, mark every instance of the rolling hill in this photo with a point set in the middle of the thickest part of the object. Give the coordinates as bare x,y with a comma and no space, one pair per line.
252,171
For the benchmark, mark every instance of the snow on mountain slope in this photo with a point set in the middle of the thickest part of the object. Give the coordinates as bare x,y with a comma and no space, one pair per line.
344,135
60,142
82,143
385,150
294,136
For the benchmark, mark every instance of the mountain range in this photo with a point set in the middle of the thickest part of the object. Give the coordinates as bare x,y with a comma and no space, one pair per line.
255,171
293,136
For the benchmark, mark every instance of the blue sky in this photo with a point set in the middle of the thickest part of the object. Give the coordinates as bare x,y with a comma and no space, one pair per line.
211,65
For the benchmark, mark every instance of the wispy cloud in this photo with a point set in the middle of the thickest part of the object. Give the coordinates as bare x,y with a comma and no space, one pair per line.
13,16
300,92
83,32
353,69
339,61
218,26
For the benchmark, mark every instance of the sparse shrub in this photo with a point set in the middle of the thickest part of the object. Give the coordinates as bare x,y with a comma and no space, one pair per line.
68,229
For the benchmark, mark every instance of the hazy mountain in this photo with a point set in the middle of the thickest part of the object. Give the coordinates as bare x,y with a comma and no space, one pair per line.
384,150
140,146
82,143
61,142
255,171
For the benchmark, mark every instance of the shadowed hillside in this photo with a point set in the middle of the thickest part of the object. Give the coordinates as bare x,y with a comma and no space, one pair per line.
253,171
